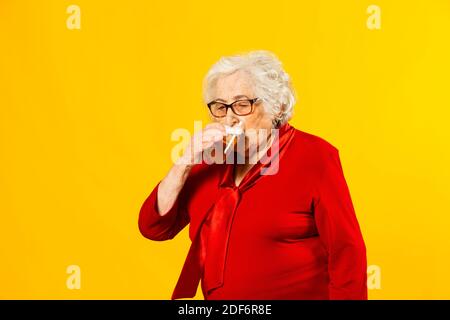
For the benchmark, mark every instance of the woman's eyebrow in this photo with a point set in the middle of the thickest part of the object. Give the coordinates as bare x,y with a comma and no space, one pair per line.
235,98
240,96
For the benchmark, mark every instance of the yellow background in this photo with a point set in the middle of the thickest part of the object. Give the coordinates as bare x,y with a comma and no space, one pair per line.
86,117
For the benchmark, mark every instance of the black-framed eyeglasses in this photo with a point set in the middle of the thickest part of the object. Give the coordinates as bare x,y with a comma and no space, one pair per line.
242,107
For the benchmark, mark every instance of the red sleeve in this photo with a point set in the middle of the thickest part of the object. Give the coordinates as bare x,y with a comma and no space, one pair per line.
159,228
340,232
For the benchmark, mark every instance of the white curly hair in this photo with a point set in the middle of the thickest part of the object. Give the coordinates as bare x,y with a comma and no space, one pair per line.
270,82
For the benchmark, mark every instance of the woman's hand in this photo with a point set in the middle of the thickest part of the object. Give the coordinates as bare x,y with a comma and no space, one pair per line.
201,141
171,185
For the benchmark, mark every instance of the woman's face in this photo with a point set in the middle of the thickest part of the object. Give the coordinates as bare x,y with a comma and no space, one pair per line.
238,86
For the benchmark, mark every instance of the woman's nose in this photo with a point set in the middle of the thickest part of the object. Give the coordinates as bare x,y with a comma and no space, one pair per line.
231,119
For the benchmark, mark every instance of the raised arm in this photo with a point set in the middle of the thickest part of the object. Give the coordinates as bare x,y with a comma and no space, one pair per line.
164,213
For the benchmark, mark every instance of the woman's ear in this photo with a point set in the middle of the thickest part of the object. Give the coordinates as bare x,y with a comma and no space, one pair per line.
276,123
279,115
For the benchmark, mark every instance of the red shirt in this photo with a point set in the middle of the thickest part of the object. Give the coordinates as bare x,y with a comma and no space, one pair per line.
294,235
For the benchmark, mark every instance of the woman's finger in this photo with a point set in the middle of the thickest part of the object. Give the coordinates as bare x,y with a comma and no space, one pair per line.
216,126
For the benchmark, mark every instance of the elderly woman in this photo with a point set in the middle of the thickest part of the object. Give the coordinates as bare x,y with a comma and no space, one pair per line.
289,233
